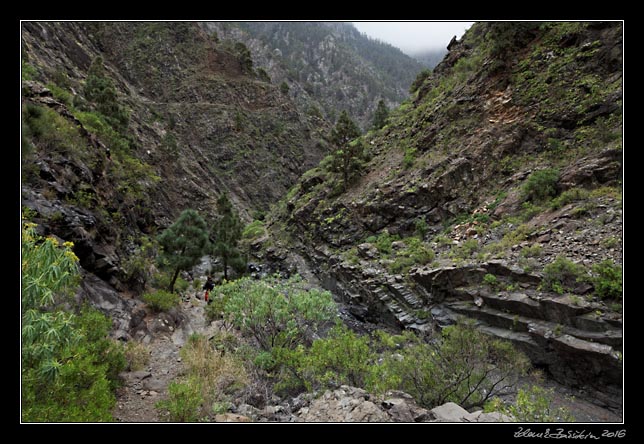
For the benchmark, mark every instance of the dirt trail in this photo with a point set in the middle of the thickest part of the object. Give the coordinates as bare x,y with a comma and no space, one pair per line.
142,389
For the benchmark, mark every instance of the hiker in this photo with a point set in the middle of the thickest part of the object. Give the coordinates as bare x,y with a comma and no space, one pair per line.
108,154
208,286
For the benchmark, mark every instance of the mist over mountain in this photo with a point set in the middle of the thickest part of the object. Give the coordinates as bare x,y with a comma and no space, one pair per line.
431,57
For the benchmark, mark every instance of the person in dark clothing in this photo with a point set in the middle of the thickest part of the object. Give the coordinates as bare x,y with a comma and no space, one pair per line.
208,286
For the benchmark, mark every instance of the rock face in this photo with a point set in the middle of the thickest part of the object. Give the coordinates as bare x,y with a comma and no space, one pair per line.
565,335
452,170
201,122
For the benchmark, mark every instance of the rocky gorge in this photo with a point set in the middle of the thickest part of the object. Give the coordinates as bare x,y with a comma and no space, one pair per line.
493,193
440,172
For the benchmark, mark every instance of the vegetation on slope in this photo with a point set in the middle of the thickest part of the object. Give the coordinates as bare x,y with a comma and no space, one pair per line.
520,124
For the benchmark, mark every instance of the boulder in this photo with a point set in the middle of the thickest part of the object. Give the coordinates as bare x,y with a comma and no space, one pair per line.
449,412
346,404
400,407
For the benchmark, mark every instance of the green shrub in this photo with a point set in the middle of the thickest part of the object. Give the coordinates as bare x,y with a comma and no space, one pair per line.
184,401
465,249
616,307
137,355
27,72
181,285
343,357
384,241
534,250
274,311
253,230
532,405
410,157
568,196
541,185
421,227
562,274
415,252
466,367
491,281
607,280
60,94
138,265
69,365
610,242
51,132
161,300
529,210
100,90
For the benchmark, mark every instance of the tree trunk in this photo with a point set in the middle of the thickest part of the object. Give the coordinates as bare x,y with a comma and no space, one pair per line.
174,279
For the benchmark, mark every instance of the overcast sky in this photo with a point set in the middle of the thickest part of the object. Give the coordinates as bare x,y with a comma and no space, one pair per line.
413,37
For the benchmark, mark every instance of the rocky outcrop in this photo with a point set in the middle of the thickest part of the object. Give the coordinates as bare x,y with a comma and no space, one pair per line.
451,171
351,404
346,404
128,315
577,344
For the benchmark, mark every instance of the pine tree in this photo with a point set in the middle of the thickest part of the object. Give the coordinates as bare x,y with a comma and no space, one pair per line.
381,115
227,232
346,158
183,243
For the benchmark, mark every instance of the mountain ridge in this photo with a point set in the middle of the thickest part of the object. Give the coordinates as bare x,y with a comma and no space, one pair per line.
327,65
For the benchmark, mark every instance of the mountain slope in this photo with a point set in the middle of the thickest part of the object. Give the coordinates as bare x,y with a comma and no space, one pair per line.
326,65
200,123
506,157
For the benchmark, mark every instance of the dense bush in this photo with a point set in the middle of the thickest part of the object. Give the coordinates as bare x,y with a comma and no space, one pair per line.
69,366
184,400
562,275
342,357
466,367
160,300
384,240
607,280
274,311
541,185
